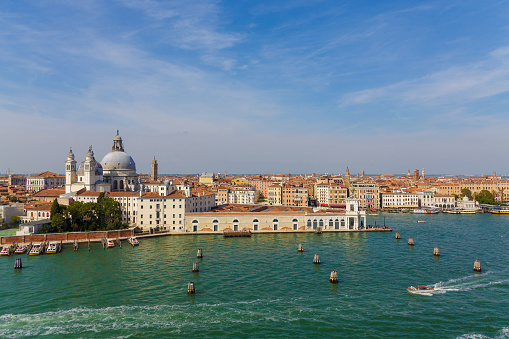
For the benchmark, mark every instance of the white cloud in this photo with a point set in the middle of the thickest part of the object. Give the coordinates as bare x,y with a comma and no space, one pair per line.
457,84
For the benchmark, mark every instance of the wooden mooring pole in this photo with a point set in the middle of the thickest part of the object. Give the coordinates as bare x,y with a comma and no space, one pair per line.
334,278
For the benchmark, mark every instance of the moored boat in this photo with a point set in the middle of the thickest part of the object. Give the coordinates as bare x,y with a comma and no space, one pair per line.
36,249
52,247
133,241
421,221
5,251
501,211
110,243
420,289
20,249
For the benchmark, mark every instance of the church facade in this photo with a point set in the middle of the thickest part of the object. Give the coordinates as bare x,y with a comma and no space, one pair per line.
115,173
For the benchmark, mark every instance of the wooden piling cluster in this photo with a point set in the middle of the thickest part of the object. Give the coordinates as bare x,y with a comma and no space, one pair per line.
436,252
75,245
477,266
398,236
17,264
199,254
119,242
301,248
195,267
190,288
334,278
411,241
316,259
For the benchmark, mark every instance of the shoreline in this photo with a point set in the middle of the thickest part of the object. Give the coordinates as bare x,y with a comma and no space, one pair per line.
176,233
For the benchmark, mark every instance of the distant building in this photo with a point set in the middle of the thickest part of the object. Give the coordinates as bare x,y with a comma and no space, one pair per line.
207,178
44,180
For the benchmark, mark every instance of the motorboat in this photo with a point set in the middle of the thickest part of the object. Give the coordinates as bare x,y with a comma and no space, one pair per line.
20,249
36,249
110,243
500,211
52,247
5,251
421,221
425,211
420,289
133,241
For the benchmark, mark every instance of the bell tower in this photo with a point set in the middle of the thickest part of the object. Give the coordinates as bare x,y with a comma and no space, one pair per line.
70,171
153,170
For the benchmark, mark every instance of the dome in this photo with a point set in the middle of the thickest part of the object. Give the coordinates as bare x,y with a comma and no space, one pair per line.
118,161
94,164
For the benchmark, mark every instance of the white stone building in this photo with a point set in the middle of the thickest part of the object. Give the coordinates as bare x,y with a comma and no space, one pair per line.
400,200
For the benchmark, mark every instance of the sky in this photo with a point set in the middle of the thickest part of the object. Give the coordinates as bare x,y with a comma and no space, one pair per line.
257,86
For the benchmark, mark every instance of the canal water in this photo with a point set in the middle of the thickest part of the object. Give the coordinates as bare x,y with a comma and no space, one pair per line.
263,287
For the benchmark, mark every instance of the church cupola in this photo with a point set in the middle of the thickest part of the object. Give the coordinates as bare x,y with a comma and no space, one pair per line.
117,144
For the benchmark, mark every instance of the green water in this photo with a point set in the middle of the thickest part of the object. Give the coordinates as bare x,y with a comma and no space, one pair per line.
263,287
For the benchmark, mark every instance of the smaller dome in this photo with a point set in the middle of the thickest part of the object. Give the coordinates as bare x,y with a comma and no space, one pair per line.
94,166
70,156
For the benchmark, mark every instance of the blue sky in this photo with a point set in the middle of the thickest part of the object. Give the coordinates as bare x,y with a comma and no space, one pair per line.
257,86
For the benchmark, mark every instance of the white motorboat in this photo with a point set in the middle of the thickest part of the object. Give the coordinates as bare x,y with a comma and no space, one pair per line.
133,241
420,289
110,243
20,249
36,249
52,247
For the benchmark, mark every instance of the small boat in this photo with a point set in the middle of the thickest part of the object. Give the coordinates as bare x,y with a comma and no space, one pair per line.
5,251
405,210
110,243
20,249
52,247
133,241
421,221
420,289
500,211
36,249
372,213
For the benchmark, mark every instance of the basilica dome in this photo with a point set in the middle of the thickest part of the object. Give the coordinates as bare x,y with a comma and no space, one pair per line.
118,160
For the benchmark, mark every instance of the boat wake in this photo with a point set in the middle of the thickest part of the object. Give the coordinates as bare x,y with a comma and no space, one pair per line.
471,282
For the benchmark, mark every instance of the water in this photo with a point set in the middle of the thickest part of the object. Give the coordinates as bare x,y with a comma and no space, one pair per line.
262,287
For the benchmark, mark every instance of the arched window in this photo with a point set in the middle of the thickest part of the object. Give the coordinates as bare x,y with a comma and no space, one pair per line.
216,226
309,223
121,184
331,223
235,224
336,224
342,222
114,184
320,223
295,224
275,224
315,224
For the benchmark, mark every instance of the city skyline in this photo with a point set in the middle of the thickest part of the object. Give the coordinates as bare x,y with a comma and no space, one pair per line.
295,87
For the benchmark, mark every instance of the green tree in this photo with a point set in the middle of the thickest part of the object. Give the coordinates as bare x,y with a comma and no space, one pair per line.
55,208
15,220
485,197
465,192
57,222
